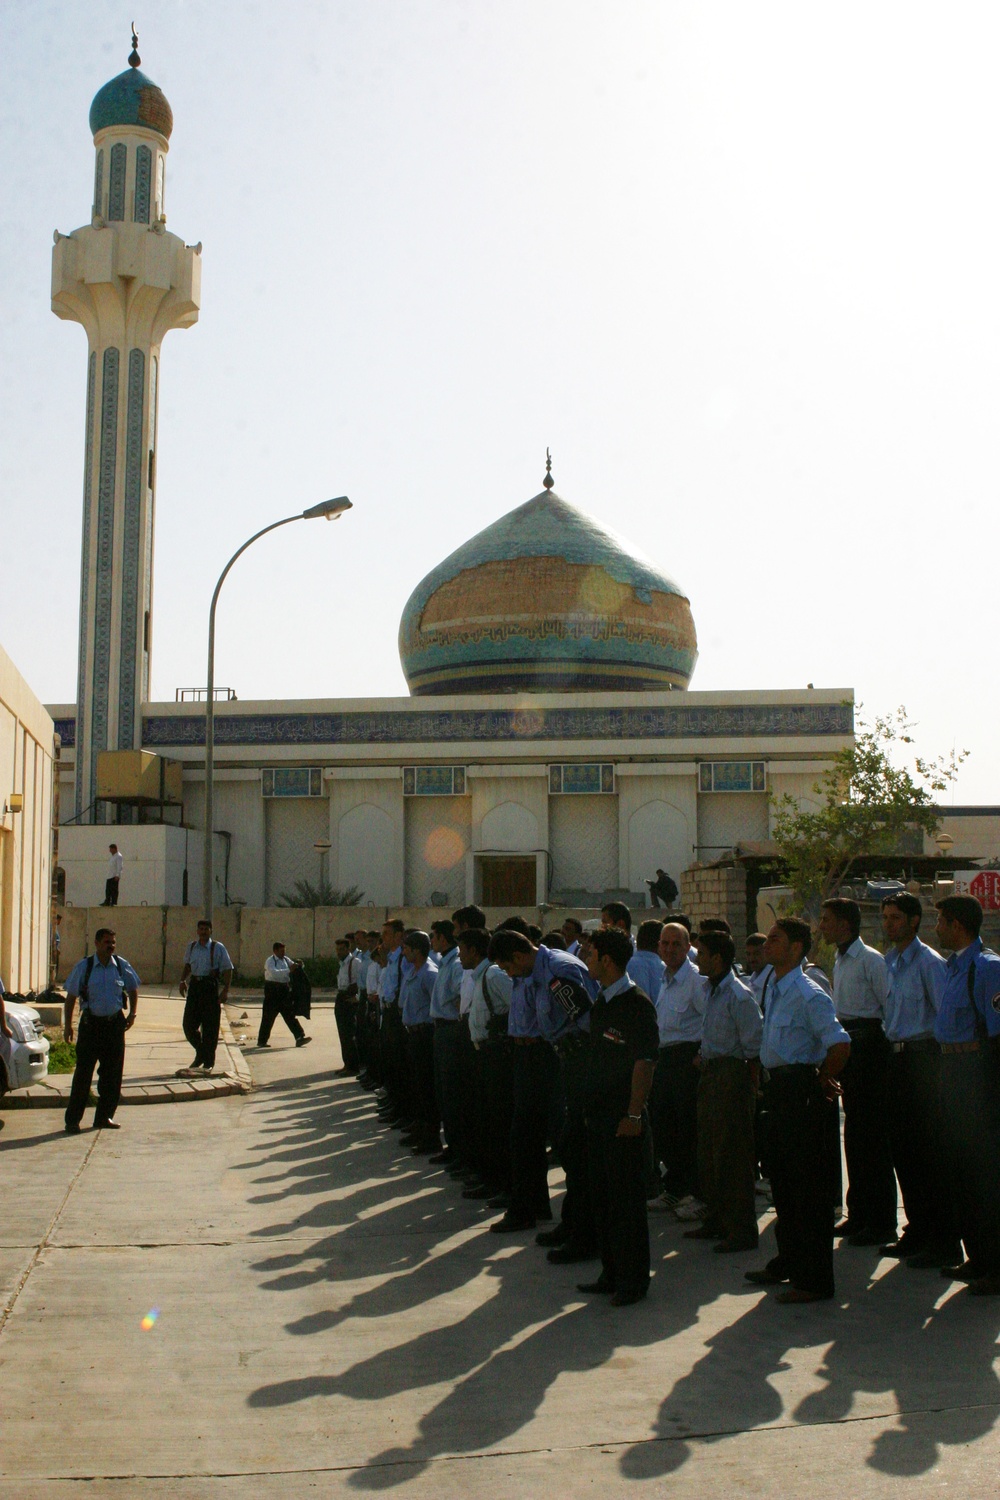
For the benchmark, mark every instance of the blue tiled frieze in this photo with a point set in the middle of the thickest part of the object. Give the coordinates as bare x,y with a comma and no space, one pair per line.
397,726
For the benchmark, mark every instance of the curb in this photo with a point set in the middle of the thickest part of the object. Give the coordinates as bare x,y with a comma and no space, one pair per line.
53,1095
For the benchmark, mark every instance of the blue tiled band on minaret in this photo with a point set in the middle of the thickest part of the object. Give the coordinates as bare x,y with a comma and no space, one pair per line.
130,550
105,562
147,575
116,188
143,182
99,183
81,675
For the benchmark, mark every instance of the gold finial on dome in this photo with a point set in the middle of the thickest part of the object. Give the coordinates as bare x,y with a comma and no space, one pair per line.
133,58
548,481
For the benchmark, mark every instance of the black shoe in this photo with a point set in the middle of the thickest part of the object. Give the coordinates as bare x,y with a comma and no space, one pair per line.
106,1125
864,1239
764,1277
501,1200
444,1158
479,1194
424,1148
303,1041
509,1225
902,1248
625,1299
933,1260
847,1227
71,1129
601,1286
985,1286
704,1232
557,1236
964,1272
569,1255
734,1245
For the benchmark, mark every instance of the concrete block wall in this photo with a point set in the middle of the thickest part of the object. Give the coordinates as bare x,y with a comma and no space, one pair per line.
717,891
153,938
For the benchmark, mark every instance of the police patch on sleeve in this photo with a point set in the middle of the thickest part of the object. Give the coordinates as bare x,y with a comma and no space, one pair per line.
571,996
995,1002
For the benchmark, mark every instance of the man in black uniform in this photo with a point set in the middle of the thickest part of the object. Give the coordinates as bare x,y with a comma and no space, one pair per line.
624,1047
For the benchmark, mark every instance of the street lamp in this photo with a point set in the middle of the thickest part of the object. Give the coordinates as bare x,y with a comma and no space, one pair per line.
322,847
329,510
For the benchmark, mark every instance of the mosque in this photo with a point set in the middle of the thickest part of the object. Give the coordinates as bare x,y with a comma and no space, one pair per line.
550,751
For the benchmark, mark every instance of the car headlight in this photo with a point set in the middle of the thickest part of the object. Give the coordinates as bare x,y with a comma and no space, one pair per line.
19,1029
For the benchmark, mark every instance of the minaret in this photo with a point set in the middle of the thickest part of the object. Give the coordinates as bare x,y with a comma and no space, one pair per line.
128,282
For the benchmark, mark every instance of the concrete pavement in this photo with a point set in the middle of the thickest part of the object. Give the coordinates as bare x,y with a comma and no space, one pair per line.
155,1048
333,1318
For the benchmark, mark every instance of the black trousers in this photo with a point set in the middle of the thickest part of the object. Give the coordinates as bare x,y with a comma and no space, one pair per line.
277,1002
799,1158
202,1018
726,1147
916,1136
448,1081
871,1183
970,1106
111,890
100,1043
673,1108
574,1152
395,1061
618,1167
497,1064
470,1101
536,1070
420,1049
345,1014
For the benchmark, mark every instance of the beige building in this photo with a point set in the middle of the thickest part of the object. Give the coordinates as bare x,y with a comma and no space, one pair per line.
26,789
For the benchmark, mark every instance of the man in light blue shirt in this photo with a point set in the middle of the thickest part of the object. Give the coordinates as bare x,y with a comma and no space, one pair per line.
916,976
804,1048
727,1095
415,991
673,1105
207,967
493,1076
446,999
396,1107
104,985
860,986
646,968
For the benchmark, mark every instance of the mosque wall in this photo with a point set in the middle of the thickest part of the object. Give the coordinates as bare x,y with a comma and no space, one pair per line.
729,818
583,843
367,831
438,838
292,826
657,819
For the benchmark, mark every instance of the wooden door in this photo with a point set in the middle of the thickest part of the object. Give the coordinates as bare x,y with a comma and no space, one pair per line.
508,880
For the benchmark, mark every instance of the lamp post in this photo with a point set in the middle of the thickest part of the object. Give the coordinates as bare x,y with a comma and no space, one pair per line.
322,847
329,510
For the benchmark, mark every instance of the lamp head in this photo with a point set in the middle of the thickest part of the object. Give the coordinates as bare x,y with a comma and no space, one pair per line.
330,510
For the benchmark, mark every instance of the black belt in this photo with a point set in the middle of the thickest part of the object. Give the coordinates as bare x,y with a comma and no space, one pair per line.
860,1023
444,1021
421,1026
916,1044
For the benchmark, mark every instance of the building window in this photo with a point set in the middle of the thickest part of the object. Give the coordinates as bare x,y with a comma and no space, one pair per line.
732,776
433,781
291,781
143,183
116,189
576,780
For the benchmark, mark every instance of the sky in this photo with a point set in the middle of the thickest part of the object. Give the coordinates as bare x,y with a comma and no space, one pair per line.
736,265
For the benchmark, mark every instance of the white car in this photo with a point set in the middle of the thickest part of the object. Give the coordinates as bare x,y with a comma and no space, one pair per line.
24,1058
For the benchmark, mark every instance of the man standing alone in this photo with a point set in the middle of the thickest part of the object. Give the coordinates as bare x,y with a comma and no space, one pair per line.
102,983
115,864
208,966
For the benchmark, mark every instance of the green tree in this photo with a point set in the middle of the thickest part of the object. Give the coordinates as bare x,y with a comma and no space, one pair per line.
867,802
323,894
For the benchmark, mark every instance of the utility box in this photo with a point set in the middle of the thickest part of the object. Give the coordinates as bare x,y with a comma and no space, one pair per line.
139,778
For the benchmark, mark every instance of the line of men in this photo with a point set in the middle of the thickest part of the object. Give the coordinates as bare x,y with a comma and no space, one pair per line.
659,1070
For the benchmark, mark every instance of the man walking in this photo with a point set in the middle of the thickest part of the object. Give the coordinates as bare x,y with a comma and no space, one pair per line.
278,998
803,1048
103,984
115,865
860,986
208,972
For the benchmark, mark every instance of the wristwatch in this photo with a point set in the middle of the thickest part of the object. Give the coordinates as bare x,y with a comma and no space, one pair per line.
636,1118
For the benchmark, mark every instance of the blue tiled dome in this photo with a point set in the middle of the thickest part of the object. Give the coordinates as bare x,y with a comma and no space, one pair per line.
546,600
131,99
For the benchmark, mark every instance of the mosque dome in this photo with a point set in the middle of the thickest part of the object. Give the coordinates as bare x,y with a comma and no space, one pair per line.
546,600
131,99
